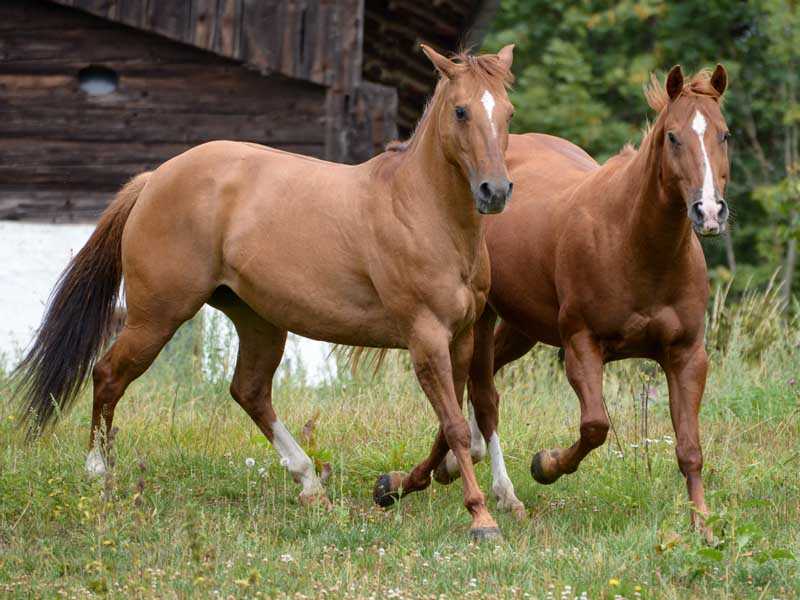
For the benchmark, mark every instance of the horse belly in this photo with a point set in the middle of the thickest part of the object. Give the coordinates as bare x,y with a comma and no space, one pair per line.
317,305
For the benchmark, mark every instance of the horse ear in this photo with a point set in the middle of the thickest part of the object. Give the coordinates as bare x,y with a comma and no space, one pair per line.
674,82
506,56
719,79
444,65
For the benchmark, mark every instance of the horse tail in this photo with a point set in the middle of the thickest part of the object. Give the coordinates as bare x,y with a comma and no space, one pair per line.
355,356
78,319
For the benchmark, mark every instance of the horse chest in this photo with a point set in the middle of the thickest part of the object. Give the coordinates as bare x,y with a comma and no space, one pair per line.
643,334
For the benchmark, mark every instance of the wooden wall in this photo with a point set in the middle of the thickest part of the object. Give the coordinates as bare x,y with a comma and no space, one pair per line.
316,40
63,153
393,31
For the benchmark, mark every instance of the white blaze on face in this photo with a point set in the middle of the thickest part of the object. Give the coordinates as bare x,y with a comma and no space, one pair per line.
296,460
708,198
488,103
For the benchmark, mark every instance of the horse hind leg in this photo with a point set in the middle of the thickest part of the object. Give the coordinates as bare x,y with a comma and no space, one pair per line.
130,355
261,346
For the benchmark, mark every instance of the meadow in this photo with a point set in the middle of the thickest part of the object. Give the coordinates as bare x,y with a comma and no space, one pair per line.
186,513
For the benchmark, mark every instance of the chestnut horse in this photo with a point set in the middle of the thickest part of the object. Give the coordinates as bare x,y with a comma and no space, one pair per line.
604,262
389,253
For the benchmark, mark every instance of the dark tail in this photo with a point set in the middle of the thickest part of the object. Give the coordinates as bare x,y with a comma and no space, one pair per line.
79,314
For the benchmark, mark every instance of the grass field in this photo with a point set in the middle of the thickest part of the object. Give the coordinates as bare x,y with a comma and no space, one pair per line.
184,516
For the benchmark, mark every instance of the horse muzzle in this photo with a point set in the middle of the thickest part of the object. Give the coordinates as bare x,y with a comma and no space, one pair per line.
491,196
709,218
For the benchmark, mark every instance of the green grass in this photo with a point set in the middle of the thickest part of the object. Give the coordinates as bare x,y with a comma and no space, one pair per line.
182,516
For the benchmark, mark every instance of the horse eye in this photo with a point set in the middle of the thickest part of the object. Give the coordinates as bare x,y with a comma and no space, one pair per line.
461,113
673,139
725,137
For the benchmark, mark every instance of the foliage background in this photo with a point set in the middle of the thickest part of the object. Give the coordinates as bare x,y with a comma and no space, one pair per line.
581,65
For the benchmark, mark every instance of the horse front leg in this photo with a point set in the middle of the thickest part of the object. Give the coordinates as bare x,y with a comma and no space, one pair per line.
686,370
484,404
441,369
584,366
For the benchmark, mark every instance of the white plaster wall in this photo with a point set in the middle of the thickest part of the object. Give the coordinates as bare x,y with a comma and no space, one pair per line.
33,255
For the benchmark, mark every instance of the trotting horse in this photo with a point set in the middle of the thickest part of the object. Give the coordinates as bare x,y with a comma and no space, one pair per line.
389,253
604,262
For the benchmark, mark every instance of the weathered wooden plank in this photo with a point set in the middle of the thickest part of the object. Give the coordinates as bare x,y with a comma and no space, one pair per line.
314,40
227,17
164,91
171,19
150,126
55,206
130,12
371,121
100,46
202,23
260,39
96,166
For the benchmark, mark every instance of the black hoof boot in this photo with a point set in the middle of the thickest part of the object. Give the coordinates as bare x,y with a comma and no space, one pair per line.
485,534
383,494
543,464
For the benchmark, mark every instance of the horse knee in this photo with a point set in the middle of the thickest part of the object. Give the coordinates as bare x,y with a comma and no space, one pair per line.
594,432
456,432
245,396
690,460
103,380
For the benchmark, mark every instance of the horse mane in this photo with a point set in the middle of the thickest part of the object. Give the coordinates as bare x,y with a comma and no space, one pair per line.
486,67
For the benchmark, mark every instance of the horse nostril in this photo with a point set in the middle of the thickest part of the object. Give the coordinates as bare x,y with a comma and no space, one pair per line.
723,210
486,189
697,211
510,189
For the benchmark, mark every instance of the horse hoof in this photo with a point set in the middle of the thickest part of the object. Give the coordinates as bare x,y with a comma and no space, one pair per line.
544,467
96,464
485,534
385,493
318,499
519,512
443,476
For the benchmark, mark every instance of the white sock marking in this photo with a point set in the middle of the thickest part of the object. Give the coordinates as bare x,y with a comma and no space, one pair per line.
501,483
708,198
296,460
95,463
488,103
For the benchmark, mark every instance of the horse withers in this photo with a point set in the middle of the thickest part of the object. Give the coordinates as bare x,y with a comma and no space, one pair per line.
388,253
606,263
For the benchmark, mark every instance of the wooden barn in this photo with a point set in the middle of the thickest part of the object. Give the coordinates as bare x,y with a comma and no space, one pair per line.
94,91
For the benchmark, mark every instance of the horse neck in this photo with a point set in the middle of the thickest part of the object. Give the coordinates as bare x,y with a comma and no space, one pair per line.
657,226
435,191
